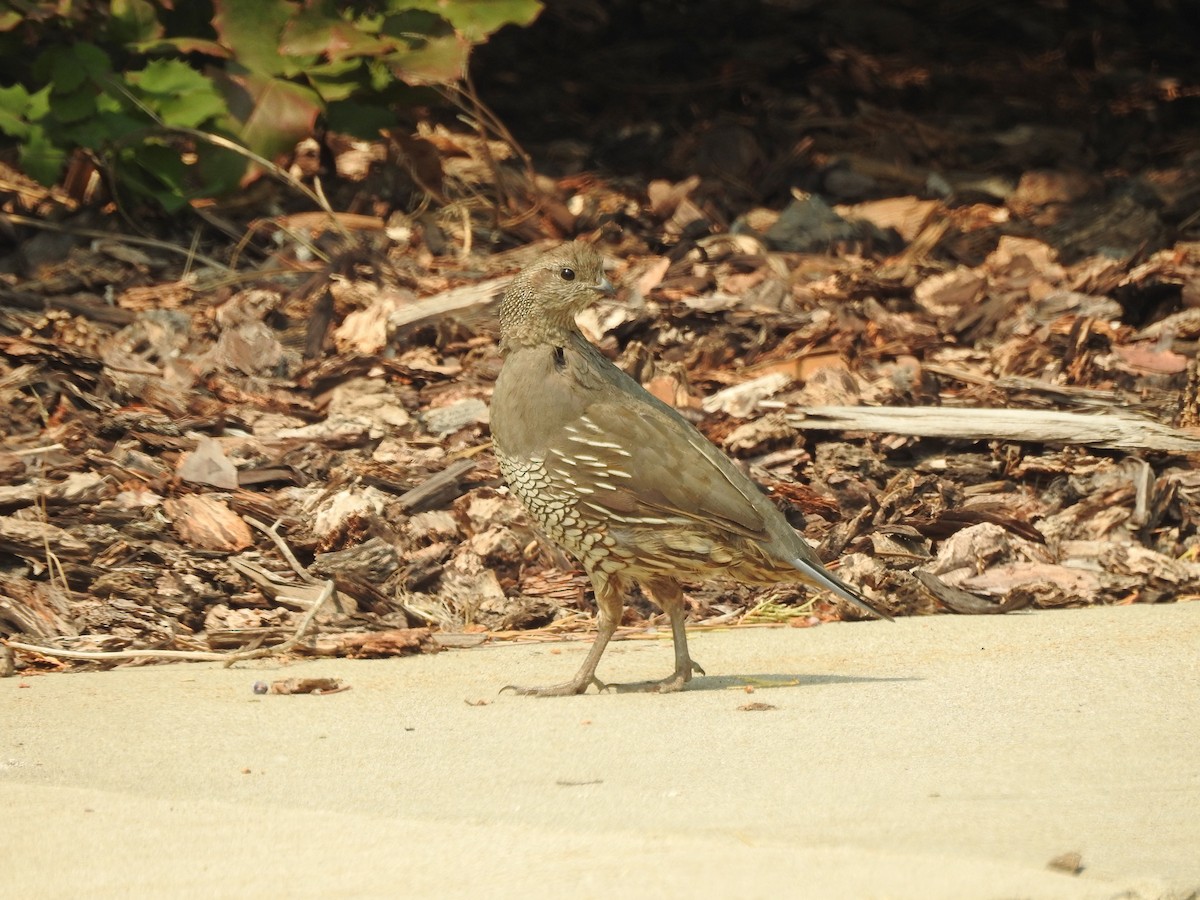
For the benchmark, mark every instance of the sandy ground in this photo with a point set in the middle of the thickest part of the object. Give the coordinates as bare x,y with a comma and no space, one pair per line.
938,757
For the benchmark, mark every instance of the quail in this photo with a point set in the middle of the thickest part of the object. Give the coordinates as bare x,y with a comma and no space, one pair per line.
620,479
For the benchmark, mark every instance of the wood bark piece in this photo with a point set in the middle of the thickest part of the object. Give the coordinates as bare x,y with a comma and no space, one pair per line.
302,686
280,589
1116,429
86,305
740,399
374,561
456,300
35,540
395,642
438,490
966,603
208,523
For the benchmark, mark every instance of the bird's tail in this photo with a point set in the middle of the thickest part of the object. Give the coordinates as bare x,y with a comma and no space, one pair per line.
818,575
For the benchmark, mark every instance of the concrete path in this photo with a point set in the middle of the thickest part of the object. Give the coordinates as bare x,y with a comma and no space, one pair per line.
938,757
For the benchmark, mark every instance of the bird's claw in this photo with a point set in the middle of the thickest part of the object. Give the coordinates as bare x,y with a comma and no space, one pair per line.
669,685
566,689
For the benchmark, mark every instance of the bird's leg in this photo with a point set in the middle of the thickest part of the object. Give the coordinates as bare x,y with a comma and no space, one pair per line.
668,594
610,607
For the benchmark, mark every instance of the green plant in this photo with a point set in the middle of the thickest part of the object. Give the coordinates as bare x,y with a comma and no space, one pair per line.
131,81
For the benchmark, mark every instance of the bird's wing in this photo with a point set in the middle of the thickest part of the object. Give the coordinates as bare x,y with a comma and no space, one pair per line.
651,463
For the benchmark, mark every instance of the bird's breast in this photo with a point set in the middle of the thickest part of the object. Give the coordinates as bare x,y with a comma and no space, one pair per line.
539,393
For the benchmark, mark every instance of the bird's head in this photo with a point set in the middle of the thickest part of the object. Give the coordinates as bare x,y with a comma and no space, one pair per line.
543,299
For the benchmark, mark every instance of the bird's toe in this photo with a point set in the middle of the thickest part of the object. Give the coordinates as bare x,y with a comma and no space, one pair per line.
566,689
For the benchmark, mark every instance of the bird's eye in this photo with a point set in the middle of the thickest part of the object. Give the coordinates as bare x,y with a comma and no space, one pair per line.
567,274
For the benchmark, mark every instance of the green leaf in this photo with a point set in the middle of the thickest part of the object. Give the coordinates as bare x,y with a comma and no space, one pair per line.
333,37
178,94
415,26
73,107
476,20
338,80
154,172
14,105
435,53
440,61
281,113
381,78
193,110
169,200
283,63
169,77
117,101
251,29
107,126
134,20
69,68
182,45
40,157
219,170
39,105
362,120
164,163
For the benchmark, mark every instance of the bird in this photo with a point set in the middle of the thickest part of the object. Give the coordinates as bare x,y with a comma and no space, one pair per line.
620,479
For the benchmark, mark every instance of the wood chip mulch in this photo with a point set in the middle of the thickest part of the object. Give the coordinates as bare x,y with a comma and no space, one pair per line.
979,397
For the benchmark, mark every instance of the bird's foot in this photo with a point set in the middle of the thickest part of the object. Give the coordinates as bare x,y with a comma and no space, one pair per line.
669,685
566,689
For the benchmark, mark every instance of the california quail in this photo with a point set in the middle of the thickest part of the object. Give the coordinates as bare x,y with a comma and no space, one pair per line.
619,478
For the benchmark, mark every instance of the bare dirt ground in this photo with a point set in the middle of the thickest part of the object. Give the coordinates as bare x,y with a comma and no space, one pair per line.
932,274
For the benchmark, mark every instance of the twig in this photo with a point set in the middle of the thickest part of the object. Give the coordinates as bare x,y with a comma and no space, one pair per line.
34,451
290,643
296,236
47,225
1115,429
194,655
187,269
77,304
198,655
277,171
307,620
54,566
284,550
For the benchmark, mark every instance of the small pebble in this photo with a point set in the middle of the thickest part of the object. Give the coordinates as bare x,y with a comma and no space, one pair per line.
261,687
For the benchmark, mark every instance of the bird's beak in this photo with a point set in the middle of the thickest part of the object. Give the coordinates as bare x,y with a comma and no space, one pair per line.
605,287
